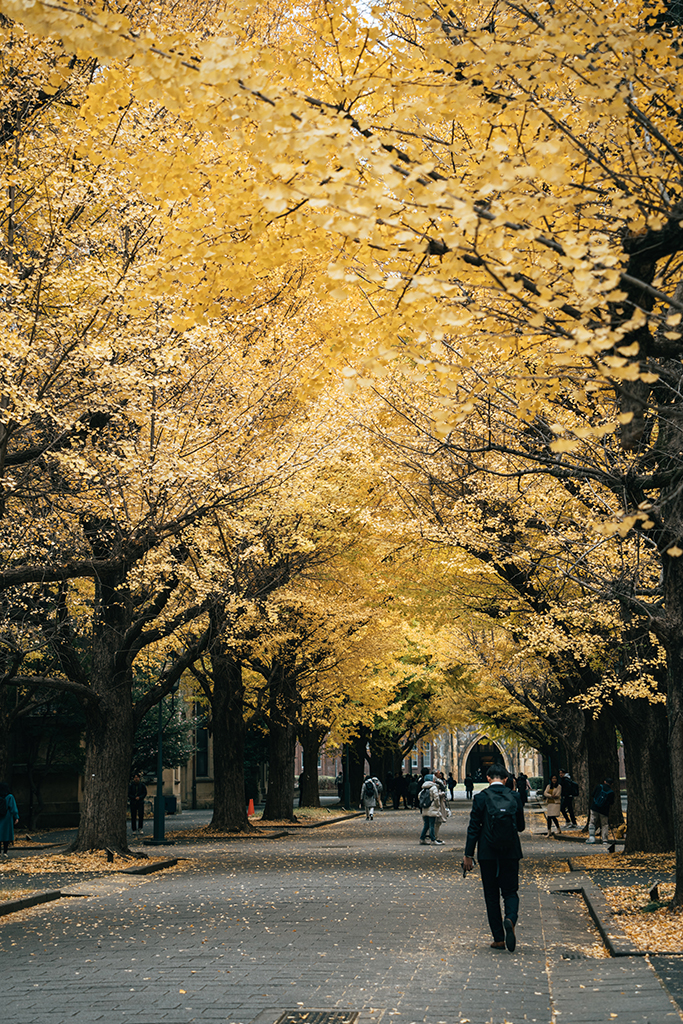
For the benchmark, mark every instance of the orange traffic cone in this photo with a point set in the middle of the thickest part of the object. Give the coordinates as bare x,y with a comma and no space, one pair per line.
250,809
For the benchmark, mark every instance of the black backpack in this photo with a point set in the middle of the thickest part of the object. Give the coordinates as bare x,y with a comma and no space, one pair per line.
573,788
500,820
601,799
369,789
425,798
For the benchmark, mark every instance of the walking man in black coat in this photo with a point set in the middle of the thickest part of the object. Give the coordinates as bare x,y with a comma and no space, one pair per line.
496,819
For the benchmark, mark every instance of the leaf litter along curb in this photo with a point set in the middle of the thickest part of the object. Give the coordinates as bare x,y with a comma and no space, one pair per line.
650,924
304,817
68,863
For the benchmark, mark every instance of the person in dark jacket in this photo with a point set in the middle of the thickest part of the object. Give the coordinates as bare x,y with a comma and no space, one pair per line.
567,785
9,817
469,786
601,801
137,792
523,787
499,869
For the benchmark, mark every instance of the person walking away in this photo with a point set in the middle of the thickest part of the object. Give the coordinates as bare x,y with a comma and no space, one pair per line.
369,797
400,790
469,786
601,801
451,783
553,801
523,788
569,791
413,790
429,802
9,817
137,792
444,810
496,819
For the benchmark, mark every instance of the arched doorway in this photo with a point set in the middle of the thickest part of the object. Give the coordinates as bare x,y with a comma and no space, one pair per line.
482,755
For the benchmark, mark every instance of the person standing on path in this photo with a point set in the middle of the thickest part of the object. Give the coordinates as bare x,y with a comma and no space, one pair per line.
469,786
429,802
602,800
137,792
451,783
523,788
369,796
9,817
553,802
496,819
569,791
444,810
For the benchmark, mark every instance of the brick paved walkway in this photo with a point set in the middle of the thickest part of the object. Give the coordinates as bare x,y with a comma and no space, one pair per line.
352,916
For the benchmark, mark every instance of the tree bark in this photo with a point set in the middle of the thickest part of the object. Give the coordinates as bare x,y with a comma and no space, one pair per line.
644,729
674,704
283,713
311,740
603,759
574,740
110,725
227,711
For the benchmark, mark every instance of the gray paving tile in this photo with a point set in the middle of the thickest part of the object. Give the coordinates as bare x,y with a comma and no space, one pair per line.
365,920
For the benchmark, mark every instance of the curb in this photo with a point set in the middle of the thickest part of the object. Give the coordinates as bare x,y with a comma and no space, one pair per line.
147,869
616,942
240,837
36,898
314,824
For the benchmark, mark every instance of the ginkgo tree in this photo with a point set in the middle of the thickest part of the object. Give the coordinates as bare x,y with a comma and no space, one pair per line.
501,182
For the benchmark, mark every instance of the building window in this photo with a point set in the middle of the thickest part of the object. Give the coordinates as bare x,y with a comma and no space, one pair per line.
202,749
413,759
426,755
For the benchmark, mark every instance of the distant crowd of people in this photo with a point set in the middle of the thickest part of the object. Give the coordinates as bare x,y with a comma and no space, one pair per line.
403,790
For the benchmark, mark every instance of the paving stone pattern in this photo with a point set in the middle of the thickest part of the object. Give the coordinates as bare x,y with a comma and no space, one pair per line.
352,917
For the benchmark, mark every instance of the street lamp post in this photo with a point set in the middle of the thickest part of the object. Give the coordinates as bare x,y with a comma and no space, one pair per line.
158,839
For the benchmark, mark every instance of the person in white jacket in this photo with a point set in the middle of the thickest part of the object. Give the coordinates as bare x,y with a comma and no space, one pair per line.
429,802
370,796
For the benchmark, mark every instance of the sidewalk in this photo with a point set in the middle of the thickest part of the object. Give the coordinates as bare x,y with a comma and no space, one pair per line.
355,917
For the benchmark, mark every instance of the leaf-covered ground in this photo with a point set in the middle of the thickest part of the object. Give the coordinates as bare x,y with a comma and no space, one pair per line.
65,863
303,816
649,924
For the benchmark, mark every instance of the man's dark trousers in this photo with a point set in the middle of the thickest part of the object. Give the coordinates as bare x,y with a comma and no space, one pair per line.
500,878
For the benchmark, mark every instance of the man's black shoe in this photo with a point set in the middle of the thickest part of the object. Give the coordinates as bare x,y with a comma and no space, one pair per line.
510,939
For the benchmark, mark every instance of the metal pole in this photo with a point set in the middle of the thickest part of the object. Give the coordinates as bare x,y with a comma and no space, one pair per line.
158,839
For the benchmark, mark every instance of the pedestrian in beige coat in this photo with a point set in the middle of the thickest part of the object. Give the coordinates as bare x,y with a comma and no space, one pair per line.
553,801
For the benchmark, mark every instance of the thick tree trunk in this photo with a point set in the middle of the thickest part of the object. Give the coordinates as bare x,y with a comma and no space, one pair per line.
675,719
283,713
603,759
108,753
574,738
311,740
358,755
110,725
5,747
227,708
645,731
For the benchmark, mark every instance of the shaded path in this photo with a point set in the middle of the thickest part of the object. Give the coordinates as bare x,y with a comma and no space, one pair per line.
355,916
